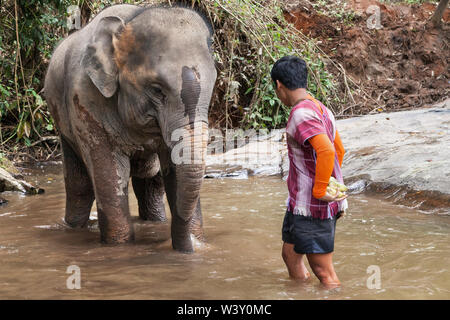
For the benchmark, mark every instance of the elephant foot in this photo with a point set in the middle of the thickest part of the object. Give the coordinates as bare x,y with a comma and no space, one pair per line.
181,235
183,247
76,222
115,232
182,243
196,243
117,238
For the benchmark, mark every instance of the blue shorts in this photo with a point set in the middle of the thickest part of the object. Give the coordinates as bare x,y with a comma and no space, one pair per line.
309,235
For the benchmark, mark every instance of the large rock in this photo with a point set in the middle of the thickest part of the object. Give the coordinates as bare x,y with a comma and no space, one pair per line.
264,154
409,148
405,155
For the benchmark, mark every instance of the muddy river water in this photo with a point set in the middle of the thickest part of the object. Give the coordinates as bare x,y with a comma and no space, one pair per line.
405,249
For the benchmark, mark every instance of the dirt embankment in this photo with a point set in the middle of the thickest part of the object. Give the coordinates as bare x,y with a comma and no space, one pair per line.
404,64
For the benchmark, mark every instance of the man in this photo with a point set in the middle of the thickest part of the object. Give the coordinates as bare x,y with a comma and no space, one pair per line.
315,154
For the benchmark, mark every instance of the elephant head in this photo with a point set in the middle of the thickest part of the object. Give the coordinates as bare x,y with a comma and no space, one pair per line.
159,66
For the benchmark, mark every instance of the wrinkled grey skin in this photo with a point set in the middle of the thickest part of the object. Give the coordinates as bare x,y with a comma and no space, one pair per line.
117,89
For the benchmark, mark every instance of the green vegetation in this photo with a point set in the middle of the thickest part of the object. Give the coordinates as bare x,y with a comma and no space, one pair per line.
29,30
250,35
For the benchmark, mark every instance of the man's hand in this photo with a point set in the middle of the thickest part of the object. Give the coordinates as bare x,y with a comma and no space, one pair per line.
328,197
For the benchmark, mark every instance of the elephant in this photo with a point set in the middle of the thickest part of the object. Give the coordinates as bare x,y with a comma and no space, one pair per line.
119,90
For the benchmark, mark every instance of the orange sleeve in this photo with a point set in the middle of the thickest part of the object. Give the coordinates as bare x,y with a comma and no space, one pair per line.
339,148
324,163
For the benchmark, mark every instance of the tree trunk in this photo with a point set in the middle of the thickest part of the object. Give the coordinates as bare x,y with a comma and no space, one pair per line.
437,16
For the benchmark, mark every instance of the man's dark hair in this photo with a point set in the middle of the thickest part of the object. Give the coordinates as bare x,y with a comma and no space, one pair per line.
291,71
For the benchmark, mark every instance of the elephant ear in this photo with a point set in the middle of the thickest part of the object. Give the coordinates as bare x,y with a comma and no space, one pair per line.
98,59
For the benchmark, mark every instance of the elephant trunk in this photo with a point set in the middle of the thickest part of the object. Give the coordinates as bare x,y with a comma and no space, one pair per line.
190,168
184,182
189,181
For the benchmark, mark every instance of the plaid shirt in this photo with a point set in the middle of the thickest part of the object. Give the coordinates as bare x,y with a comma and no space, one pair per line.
306,121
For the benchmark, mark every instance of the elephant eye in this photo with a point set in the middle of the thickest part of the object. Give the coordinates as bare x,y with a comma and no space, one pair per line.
156,94
157,90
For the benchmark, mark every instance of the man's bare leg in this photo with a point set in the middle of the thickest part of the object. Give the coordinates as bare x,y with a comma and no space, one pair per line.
294,262
322,266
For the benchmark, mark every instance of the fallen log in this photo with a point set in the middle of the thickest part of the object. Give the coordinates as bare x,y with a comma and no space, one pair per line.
9,183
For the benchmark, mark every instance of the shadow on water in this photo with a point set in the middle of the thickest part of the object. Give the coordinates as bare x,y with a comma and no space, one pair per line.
240,260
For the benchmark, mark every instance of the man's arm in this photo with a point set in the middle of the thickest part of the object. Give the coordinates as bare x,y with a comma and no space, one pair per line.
324,163
340,151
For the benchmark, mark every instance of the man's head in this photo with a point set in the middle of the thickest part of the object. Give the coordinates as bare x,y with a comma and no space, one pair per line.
289,74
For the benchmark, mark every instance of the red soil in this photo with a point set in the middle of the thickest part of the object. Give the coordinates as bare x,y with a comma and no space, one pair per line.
402,65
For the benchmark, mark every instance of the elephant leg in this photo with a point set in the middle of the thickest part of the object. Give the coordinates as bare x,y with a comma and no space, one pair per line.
111,173
150,196
79,191
197,223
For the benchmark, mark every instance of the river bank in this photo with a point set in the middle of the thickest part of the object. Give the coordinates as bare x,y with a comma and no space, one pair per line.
403,155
